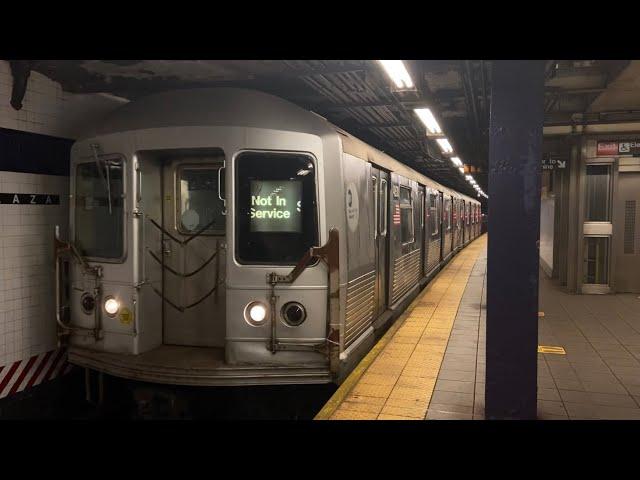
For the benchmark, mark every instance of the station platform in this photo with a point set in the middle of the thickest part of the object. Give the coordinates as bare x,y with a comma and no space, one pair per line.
430,364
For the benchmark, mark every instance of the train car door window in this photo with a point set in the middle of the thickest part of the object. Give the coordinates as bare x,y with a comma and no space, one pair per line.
99,209
384,202
199,204
448,213
276,211
406,216
433,214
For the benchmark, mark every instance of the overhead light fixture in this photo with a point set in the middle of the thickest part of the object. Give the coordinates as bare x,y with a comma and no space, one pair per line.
397,72
461,170
429,120
445,146
468,177
456,161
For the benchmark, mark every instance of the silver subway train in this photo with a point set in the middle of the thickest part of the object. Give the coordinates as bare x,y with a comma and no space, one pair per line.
229,237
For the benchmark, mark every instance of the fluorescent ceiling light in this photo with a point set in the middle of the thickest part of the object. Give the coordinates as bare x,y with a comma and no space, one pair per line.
461,170
445,146
468,177
428,119
397,72
456,161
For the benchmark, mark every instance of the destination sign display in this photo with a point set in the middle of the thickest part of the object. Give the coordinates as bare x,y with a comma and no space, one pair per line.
276,206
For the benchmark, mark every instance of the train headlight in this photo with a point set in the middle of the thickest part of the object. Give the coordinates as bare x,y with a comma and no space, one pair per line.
294,313
111,306
88,303
255,313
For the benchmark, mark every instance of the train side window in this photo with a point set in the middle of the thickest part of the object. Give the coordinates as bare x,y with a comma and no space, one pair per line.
433,214
199,205
406,216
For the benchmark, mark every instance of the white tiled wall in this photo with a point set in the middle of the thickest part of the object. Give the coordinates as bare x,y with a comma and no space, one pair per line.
27,322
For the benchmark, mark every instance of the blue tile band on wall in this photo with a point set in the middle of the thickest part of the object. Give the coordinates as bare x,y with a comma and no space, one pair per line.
29,199
28,152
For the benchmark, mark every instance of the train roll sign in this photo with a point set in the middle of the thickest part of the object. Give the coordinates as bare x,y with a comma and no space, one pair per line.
29,199
605,149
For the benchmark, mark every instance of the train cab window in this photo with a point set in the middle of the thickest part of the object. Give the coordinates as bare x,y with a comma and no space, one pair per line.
275,205
199,205
434,225
99,209
406,215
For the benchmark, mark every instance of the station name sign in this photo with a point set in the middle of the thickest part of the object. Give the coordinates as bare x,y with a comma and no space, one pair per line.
605,149
29,199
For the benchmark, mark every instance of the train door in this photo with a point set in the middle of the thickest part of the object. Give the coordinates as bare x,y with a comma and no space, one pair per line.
454,224
443,233
421,233
465,222
193,250
381,236
626,234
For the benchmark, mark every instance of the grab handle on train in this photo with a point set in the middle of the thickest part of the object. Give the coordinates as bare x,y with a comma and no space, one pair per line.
59,247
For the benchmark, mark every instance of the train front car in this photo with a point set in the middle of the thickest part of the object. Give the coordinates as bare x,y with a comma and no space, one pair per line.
190,214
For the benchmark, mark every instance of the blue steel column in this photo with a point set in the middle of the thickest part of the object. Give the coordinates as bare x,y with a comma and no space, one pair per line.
515,144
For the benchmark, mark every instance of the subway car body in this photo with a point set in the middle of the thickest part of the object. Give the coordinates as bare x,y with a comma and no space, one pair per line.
229,237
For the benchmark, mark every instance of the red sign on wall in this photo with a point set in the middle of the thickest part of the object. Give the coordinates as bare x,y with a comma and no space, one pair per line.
607,148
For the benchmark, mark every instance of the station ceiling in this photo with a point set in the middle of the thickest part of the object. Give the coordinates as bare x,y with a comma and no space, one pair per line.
357,96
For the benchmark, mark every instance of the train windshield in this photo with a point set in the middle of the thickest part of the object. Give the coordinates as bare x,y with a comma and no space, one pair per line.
99,210
276,221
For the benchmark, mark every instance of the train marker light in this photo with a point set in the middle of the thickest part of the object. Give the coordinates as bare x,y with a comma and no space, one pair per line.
111,306
294,313
445,146
429,120
398,73
255,313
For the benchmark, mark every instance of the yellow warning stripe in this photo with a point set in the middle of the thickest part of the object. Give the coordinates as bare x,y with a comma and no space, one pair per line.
547,349
396,378
347,385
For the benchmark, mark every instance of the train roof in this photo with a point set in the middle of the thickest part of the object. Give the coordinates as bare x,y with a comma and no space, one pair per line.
211,107
360,149
247,108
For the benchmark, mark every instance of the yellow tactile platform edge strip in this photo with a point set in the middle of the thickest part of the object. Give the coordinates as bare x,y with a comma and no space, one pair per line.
395,380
